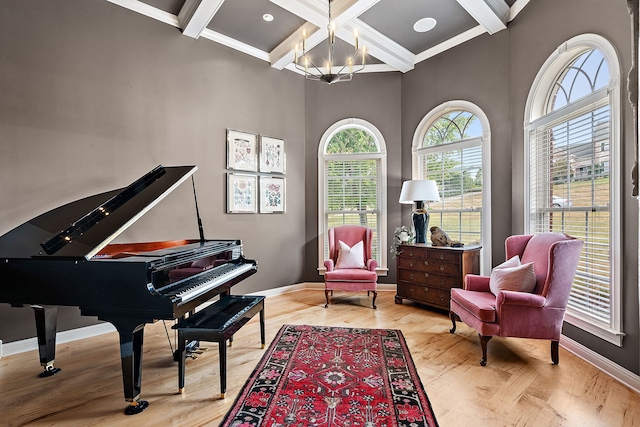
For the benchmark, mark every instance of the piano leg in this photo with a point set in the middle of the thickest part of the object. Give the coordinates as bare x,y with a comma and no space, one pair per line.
131,340
46,325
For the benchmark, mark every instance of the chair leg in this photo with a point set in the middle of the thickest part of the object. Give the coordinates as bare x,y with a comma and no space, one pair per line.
554,352
326,295
483,343
453,316
375,295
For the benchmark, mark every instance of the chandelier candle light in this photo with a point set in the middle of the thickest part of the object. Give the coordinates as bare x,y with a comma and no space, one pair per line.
420,191
331,73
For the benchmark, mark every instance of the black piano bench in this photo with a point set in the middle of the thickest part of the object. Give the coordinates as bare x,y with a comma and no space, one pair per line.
217,323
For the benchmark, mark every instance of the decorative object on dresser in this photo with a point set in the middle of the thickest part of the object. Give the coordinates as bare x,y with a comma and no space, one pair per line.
439,237
427,273
402,236
420,191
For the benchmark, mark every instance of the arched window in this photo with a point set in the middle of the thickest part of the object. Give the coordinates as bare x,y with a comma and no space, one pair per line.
352,182
451,146
572,140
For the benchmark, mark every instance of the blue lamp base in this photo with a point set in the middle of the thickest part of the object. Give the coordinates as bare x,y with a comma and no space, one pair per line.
421,223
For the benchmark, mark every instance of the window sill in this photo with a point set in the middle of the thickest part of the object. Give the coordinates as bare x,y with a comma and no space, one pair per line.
610,335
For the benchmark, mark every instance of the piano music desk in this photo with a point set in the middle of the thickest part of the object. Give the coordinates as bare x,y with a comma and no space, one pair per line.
217,323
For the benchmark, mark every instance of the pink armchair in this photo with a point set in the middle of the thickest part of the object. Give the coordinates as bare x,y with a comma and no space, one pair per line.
538,314
350,266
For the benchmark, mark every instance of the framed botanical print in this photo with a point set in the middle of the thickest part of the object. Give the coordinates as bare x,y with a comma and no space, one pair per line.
272,154
242,150
272,194
242,193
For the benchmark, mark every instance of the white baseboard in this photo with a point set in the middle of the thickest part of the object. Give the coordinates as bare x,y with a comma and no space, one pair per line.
610,368
30,344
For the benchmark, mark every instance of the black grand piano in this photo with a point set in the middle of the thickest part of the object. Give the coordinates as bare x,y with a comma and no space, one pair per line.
65,257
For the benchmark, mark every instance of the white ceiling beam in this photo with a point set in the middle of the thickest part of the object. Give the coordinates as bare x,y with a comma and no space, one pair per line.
283,54
195,15
491,14
517,8
451,43
378,45
313,11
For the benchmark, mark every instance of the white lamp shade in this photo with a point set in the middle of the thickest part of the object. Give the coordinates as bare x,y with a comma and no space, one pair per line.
419,190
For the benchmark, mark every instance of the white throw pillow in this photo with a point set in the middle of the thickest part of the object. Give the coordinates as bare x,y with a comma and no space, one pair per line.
520,278
350,257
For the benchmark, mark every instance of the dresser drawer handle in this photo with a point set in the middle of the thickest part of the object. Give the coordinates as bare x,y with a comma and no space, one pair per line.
441,256
442,282
426,275
441,267
411,263
411,276
426,263
426,289
410,253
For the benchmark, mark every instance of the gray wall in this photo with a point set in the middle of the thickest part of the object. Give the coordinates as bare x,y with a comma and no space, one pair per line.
496,73
94,96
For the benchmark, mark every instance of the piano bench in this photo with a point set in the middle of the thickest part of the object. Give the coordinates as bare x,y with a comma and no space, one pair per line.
217,323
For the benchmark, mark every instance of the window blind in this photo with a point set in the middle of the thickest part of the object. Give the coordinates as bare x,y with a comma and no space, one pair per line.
352,195
457,169
569,192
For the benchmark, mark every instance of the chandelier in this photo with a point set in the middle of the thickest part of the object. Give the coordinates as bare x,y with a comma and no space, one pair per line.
330,73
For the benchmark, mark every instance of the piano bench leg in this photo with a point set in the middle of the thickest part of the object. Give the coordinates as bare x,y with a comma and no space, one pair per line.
223,368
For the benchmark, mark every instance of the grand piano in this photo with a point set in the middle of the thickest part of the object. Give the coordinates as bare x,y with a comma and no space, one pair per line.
65,257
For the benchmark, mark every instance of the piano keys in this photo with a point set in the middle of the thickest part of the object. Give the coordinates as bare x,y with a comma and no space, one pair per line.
65,257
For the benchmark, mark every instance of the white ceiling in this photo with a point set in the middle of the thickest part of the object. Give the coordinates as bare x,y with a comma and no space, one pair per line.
385,27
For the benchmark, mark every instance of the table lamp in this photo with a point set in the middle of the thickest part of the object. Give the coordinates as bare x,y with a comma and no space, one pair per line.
420,191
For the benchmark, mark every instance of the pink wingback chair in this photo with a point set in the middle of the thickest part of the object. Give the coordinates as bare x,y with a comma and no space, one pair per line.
352,279
538,314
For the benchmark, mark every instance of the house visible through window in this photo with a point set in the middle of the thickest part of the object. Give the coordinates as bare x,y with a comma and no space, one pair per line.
352,183
571,158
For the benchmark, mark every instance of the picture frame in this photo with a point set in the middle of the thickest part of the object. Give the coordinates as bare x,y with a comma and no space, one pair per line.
272,154
242,150
272,194
242,193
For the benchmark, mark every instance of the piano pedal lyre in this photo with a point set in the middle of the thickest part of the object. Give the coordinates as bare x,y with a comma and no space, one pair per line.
49,371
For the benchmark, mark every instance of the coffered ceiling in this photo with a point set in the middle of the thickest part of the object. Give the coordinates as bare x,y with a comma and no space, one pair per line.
385,27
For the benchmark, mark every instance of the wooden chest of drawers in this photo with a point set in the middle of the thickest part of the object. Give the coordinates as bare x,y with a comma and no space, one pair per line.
427,273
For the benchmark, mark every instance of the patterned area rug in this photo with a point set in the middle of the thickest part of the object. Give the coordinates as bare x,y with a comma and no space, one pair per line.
328,376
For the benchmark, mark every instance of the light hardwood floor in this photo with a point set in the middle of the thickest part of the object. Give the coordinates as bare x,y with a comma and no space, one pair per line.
518,387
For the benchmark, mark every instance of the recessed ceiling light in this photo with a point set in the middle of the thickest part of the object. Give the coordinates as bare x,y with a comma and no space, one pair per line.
267,17
425,24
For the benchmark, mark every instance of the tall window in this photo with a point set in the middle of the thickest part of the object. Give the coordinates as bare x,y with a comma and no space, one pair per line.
572,156
449,147
352,184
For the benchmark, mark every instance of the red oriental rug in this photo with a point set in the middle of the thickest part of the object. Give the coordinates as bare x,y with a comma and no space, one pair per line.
329,376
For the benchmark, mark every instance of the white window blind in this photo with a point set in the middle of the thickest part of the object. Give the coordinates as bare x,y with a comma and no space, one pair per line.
352,194
457,168
569,192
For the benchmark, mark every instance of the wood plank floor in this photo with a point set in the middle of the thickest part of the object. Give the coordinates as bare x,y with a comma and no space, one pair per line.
518,387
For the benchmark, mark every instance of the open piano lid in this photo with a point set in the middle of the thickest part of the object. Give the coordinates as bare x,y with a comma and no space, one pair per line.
80,229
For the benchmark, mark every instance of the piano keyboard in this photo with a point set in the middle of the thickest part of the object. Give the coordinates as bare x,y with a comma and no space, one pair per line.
187,289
